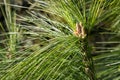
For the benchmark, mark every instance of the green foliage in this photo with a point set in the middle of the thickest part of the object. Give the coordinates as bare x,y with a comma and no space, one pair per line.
55,61
47,47
107,65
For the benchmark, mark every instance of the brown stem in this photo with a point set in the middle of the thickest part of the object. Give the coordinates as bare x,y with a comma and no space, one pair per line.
87,60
